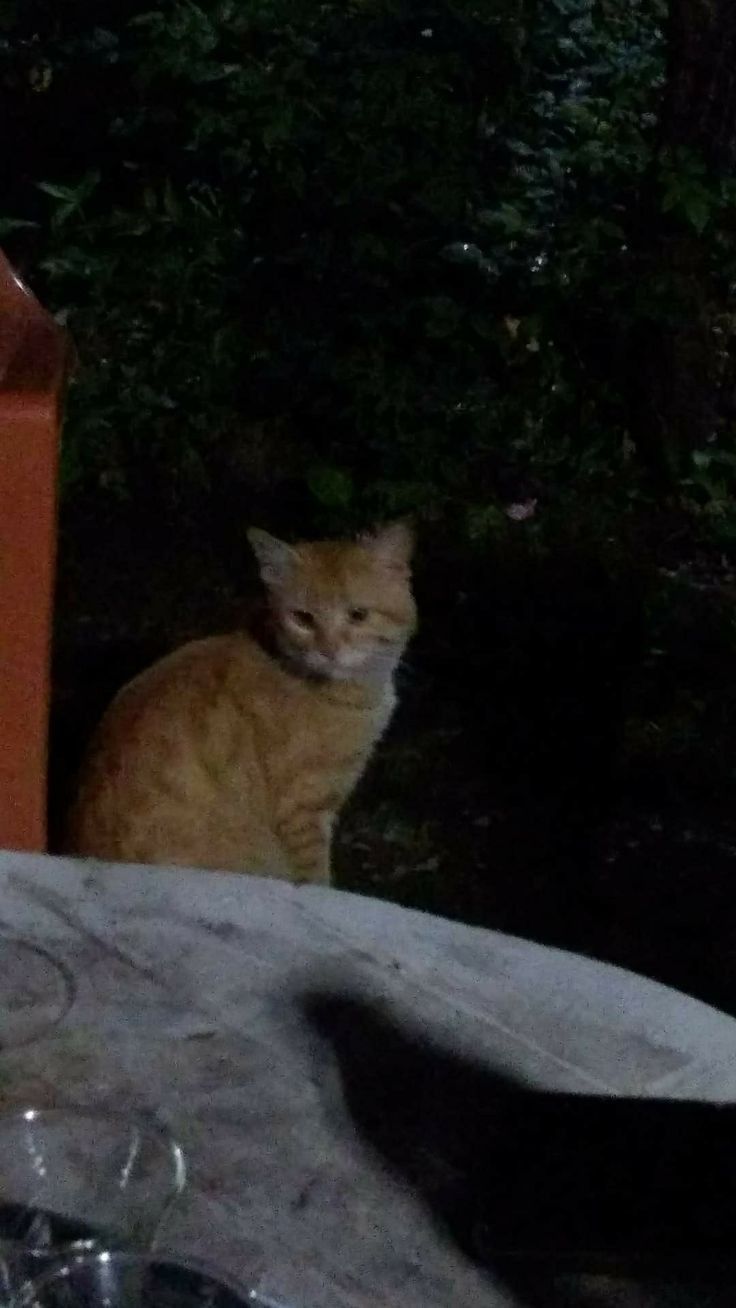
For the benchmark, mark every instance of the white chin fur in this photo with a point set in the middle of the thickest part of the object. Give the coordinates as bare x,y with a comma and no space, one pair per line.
315,662
343,668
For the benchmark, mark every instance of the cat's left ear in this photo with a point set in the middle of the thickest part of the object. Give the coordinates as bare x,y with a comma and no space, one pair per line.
392,544
275,558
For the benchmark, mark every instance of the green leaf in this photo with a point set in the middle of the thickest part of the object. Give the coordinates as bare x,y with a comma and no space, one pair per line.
152,19
483,521
88,184
55,191
63,212
330,486
8,225
171,204
697,210
71,195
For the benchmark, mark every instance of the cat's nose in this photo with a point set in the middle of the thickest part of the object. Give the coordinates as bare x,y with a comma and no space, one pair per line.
329,643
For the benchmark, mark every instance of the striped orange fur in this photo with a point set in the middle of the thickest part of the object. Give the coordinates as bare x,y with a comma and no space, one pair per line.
237,755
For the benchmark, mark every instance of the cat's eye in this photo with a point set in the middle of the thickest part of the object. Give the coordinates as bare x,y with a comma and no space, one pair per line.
358,615
303,617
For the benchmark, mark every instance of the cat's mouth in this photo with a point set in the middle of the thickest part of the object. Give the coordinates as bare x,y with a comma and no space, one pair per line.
336,667
333,667
345,665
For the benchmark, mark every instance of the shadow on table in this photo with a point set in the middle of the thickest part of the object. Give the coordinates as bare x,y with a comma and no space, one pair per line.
571,1201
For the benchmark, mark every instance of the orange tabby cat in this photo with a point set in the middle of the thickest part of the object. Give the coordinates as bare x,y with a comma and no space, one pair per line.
229,755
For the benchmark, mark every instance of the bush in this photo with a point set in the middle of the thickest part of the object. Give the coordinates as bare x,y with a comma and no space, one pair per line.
385,249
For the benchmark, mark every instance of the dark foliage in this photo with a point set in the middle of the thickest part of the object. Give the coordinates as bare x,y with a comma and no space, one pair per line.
396,255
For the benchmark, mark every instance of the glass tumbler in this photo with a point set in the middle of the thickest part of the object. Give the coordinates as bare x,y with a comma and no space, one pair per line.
76,1177
121,1280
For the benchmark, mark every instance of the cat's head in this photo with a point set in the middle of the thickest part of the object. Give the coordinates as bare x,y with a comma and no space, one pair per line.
342,610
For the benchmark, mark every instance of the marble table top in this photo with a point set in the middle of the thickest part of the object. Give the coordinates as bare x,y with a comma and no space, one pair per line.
181,993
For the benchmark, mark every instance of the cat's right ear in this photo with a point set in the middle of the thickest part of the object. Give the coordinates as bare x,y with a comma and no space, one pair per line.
275,558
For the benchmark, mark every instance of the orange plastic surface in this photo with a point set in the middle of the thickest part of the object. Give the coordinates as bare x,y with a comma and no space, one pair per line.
33,361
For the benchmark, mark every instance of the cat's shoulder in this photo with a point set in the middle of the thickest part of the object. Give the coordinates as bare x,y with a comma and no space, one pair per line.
201,662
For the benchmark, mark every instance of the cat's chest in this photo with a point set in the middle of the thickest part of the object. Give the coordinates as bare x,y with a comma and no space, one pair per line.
339,732
367,722
385,710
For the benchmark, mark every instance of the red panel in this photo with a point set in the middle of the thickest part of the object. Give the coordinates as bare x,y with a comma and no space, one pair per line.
33,354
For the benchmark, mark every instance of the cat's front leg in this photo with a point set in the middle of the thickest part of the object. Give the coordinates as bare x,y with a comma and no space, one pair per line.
306,835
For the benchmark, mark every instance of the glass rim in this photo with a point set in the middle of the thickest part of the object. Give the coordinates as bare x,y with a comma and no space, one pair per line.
156,1130
69,1259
